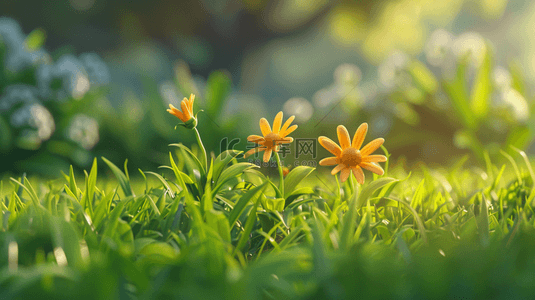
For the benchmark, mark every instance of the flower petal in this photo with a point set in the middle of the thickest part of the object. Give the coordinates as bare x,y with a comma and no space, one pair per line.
359,175
337,169
359,136
345,174
288,131
329,161
277,122
191,99
374,158
372,146
264,127
185,109
255,138
175,112
286,125
343,137
331,146
267,154
372,167
285,140
254,150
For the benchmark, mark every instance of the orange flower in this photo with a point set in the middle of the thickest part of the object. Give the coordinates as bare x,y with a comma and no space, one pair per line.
187,109
349,158
271,140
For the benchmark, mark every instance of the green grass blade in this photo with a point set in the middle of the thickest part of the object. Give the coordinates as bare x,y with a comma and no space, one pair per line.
251,195
251,220
194,158
483,220
72,184
417,218
348,224
164,182
91,181
368,190
123,180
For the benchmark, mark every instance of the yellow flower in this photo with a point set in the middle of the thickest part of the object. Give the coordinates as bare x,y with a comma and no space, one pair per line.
271,140
187,109
349,158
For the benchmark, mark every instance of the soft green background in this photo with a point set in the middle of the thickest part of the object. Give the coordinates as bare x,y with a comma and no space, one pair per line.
388,63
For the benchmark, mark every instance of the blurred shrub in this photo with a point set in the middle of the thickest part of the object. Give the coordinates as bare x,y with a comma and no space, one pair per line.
452,99
43,125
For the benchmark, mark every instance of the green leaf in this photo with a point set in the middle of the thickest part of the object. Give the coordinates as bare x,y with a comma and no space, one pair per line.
153,205
251,195
113,221
123,181
419,222
418,195
251,219
222,161
348,224
482,87
124,233
72,184
91,181
164,182
295,204
193,157
36,39
294,178
498,178
526,161
219,222
102,208
207,199
29,190
231,172
179,173
296,194
64,237
483,220
273,204
368,190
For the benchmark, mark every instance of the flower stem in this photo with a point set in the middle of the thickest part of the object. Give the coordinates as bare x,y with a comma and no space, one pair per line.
204,157
281,174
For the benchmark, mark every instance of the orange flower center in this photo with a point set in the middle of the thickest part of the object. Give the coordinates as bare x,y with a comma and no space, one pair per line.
272,139
351,157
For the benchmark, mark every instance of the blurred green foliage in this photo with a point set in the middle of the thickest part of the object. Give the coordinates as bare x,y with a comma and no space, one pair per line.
458,102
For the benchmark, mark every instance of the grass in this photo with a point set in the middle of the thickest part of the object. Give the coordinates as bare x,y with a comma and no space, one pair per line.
227,231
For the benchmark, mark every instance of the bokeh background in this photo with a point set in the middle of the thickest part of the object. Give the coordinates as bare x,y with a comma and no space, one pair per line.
437,79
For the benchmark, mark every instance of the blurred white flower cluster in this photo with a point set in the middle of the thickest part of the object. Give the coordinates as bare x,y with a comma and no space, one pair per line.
32,84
